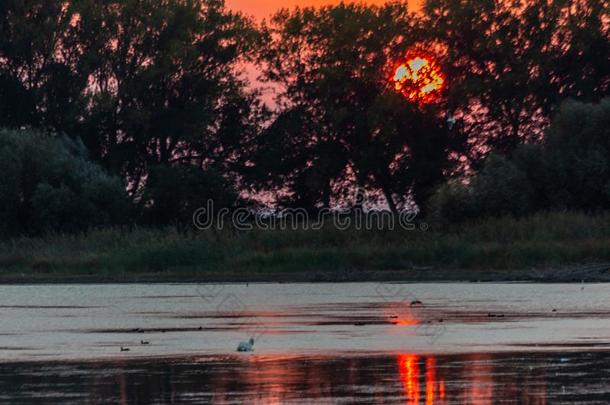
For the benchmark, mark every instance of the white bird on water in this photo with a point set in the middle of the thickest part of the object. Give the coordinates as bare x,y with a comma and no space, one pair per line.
246,346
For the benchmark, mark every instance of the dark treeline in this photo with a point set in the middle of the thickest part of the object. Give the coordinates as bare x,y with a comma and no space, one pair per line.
136,110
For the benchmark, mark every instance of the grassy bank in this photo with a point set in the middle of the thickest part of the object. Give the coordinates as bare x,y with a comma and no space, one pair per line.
492,249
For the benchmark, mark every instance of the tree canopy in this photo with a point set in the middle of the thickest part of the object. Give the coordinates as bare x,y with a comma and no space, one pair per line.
342,125
157,92
511,63
49,184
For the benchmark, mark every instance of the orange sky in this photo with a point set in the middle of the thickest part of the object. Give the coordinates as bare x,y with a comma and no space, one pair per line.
264,8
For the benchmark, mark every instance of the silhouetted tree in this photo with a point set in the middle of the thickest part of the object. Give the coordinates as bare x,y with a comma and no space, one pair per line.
174,193
342,126
164,83
510,64
569,170
577,153
41,78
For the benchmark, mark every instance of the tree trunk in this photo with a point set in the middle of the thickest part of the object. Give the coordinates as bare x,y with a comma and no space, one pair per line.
388,196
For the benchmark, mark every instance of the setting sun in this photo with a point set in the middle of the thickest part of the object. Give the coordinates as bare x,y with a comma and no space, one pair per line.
419,78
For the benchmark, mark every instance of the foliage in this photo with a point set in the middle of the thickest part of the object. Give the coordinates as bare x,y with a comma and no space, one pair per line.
156,91
142,83
451,203
570,170
501,188
41,80
510,64
49,185
578,144
342,127
174,193
542,240
168,87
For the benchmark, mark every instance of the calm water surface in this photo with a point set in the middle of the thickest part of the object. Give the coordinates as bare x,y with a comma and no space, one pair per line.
314,343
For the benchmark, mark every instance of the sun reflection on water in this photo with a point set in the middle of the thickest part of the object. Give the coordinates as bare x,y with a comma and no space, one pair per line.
410,375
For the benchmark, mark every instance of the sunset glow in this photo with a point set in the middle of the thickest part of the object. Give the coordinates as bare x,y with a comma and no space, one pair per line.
409,373
265,8
419,78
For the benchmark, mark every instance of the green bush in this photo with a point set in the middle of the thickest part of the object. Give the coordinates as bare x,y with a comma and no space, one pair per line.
569,170
49,185
578,155
501,189
452,203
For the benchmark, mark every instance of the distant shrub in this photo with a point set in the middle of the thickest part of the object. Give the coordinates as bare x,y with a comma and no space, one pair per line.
578,156
569,170
452,203
501,189
48,184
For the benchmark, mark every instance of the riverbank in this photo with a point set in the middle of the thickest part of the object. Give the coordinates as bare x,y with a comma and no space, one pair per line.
553,247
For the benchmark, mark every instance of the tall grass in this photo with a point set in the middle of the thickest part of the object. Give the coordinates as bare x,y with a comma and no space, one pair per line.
543,240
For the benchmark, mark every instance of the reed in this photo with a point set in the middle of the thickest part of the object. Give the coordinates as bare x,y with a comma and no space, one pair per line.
542,240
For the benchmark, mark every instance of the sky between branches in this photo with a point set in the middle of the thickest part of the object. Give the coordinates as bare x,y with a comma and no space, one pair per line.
261,9
264,8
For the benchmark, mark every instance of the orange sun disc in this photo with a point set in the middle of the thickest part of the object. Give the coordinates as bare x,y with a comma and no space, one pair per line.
419,78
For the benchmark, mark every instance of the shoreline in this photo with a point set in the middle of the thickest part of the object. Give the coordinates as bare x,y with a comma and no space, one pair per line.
550,247
235,357
591,273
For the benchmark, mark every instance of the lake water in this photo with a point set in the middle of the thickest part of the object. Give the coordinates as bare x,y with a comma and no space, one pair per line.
314,343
